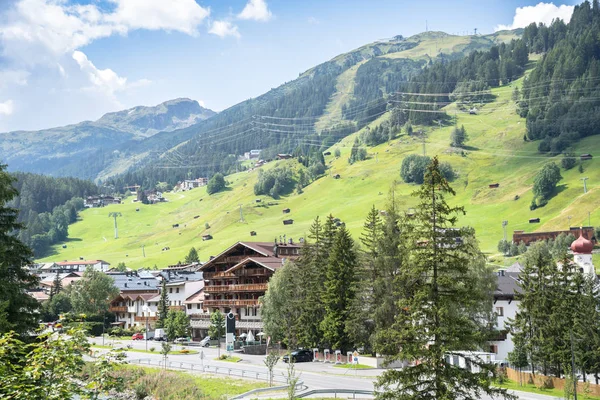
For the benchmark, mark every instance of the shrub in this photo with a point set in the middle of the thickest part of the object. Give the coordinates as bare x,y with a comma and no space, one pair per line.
413,168
216,183
152,349
568,161
184,351
141,392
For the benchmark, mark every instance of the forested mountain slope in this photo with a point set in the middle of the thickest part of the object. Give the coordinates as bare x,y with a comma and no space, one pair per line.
494,153
83,149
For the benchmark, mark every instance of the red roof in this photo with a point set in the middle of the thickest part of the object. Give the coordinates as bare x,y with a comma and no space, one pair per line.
81,262
582,245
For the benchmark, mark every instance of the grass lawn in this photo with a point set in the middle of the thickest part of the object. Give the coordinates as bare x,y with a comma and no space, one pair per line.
157,351
232,359
353,366
182,385
508,384
495,153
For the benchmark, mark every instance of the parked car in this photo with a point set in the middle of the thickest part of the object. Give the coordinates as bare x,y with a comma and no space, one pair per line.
182,340
160,339
205,342
137,336
300,355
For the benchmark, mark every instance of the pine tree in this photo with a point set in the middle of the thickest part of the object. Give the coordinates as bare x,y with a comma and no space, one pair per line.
163,305
312,277
56,286
340,289
17,311
445,306
360,324
192,256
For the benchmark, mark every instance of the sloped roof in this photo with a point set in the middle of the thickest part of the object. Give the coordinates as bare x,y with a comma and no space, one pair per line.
195,298
263,248
81,262
507,285
272,263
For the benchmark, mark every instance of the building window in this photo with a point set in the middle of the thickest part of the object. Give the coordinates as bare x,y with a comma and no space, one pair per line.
171,290
494,349
500,311
176,290
198,306
189,306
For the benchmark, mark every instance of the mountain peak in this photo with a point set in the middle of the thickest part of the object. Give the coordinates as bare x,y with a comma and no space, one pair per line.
167,116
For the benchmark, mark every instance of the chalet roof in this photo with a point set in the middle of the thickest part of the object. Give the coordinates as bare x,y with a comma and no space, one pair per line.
507,285
39,296
263,248
49,265
272,263
195,298
81,262
516,267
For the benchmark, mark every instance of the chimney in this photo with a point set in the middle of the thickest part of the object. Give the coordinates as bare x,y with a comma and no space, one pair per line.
125,284
284,241
280,239
275,248
291,241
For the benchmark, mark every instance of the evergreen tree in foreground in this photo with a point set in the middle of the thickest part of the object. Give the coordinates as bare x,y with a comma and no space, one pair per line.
340,290
163,305
444,307
18,311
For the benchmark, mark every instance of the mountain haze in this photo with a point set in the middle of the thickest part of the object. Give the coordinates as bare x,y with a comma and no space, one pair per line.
62,151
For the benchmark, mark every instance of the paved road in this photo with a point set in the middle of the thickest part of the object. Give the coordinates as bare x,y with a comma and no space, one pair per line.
315,375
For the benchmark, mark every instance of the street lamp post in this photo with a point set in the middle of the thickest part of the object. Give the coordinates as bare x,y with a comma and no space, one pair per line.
146,310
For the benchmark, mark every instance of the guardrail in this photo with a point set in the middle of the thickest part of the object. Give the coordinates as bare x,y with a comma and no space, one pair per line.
335,392
299,386
213,369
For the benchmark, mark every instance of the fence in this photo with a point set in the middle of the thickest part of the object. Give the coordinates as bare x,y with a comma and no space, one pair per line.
558,383
236,372
335,392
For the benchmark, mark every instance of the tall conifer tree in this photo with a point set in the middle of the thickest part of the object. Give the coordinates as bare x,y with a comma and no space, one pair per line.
340,289
442,287
163,305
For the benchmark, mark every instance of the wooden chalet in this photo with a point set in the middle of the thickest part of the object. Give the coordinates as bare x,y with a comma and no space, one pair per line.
238,277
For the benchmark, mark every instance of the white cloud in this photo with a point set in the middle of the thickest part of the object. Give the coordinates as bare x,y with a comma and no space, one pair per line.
104,80
177,15
55,27
256,10
7,108
224,29
313,21
542,12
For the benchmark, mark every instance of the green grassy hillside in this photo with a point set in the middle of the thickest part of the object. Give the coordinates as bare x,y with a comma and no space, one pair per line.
497,154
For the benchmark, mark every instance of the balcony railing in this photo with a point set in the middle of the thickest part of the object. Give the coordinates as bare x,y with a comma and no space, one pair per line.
117,308
218,275
138,318
231,303
177,308
253,287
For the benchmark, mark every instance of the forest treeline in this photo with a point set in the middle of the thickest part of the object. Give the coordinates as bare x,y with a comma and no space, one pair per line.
47,206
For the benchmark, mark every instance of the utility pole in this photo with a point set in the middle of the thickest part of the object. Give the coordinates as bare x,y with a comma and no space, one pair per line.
569,218
115,215
589,218
241,214
143,251
584,185
504,224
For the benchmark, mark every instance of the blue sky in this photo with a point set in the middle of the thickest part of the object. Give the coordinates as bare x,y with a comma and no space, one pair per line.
64,61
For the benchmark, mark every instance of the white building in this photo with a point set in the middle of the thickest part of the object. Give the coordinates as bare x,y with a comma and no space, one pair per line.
506,305
81,266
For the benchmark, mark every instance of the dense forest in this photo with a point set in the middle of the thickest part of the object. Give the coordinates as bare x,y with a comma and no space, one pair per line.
47,206
561,97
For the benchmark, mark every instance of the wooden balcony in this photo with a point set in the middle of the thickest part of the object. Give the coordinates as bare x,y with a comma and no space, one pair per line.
253,287
138,318
231,303
177,308
218,275
117,308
